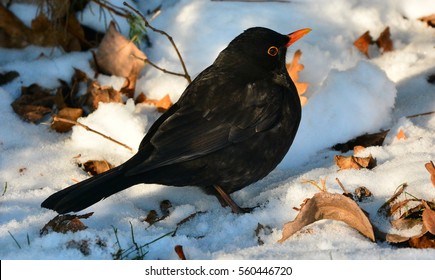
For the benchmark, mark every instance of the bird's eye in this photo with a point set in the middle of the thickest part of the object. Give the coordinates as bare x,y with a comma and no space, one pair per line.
272,51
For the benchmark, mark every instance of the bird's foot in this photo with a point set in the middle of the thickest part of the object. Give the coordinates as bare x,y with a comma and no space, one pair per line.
226,200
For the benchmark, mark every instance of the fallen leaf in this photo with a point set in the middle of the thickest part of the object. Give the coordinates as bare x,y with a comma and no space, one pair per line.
262,230
384,41
8,77
430,167
34,103
81,245
152,217
362,193
430,20
428,217
105,94
324,205
293,68
165,207
180,252
352,162
386,207
400,135
94,167
363,43
116,55
162,105
66,113
366,140
65,223
423,242
404,223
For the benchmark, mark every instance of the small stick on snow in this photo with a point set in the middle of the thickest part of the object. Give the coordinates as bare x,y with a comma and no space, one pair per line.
58,119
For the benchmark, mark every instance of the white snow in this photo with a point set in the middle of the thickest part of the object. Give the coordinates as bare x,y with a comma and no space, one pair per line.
349,95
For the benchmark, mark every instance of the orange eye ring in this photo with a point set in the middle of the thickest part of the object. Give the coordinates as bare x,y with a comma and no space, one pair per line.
272,51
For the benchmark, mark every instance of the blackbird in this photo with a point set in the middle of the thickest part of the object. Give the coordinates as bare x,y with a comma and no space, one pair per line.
230,128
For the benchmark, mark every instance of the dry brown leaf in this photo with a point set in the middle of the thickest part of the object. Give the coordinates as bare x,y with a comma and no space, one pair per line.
400,135
362,193
386,207
262,230
430,167
326,205
7,77
119,56
81,245
67,113
422,242
94,167
293,68
162,105
428,217
366,140
180,252
430,20
363,43
65,223
105,94
404,223
384,41
352,162
34,103
152,217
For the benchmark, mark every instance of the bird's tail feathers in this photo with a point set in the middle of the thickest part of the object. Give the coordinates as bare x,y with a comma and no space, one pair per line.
87,192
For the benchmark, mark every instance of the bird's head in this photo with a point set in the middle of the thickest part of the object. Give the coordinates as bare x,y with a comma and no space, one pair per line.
261,48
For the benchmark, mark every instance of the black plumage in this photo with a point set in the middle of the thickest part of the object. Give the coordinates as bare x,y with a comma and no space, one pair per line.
230,128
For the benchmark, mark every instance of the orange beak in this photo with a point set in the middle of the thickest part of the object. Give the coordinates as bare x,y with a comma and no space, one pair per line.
294,36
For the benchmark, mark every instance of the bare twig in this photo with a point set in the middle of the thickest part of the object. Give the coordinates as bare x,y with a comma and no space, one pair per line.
147,24
58,119
419,115
342,186
146,60
112,8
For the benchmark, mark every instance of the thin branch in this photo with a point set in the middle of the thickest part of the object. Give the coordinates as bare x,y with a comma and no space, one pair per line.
419,115
147,24
58,119
111,8
146,60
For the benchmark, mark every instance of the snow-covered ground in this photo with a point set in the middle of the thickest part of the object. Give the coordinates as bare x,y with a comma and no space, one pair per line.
349,95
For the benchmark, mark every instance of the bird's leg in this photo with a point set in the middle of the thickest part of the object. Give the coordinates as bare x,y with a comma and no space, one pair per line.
226,200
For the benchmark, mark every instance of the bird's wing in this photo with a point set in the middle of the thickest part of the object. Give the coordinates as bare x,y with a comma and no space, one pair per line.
194,130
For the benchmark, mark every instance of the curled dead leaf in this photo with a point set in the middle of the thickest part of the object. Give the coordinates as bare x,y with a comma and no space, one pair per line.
428,217
384,41
352,162
363,43
366,140
293,68
94,167
66,113
430,20
34,103
401,135
65,223
119,56
430,167
326,205
262,230
180,252
162,105
97,93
